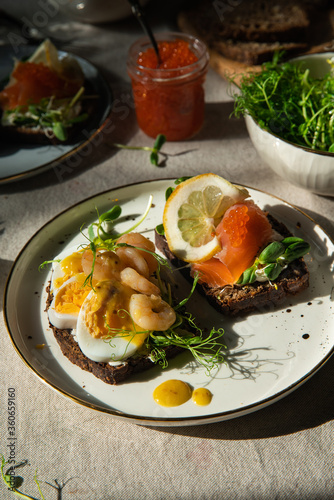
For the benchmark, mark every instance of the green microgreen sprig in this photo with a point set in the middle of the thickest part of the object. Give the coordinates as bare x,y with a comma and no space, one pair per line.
49,114
273,259
101,234
155,150
14,482
184,333
284,99
207,350
108,218
46,263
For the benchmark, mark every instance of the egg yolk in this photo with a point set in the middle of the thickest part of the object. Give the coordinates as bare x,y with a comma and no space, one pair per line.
71,297
70,265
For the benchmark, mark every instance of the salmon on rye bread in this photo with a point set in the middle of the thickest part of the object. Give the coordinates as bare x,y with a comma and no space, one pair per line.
244,258
45,98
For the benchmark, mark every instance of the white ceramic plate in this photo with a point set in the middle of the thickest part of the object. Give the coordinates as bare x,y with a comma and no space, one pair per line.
270,353
18,161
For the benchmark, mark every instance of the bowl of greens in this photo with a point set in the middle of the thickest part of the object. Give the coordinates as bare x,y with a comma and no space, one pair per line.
289,114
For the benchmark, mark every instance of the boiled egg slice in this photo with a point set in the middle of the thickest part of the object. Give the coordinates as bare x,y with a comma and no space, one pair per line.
66,265
67,301
105,331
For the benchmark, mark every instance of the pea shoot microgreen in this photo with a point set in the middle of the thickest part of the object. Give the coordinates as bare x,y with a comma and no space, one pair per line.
184,333
273,259
207,350
155,150
14,482
284,99
53,116
102,235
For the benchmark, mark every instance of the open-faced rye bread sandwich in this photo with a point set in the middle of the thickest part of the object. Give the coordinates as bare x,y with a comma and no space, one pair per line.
243,258
112,311
45,98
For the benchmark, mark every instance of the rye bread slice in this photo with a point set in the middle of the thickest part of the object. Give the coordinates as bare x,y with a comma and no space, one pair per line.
26,135
104,371
236,300
262,21
251,32
254,53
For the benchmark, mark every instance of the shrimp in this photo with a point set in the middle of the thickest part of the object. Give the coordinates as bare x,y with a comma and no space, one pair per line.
130,257
107,265
151,312
139,241
134,280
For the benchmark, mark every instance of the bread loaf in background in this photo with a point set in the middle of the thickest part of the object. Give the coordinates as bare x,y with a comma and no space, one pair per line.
241,32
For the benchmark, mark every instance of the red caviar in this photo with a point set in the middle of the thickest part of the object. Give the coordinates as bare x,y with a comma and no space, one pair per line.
236,225
242,232
33,82
173,55
169,96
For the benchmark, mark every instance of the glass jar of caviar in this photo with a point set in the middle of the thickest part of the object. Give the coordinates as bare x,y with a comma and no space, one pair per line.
169,94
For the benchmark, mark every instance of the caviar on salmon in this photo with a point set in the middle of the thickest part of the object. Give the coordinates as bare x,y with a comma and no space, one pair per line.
243,232
33,82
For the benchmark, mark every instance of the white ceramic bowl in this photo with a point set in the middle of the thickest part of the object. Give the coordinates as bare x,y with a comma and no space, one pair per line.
311,170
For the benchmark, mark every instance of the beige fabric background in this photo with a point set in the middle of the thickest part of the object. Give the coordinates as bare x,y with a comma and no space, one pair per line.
282,452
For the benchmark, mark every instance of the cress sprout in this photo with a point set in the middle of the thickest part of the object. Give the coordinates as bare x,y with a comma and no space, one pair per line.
54,116
274,258
284,99
155,150
184,333
13,482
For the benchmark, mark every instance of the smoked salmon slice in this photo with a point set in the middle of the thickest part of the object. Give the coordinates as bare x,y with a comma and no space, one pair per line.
33,82
243,232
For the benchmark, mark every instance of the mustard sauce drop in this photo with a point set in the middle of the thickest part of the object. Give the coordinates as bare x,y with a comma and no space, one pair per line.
175,393
201,396
172,393
106,309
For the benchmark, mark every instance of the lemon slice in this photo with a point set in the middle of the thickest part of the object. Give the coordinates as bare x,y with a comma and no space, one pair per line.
66,66
46,54
193,211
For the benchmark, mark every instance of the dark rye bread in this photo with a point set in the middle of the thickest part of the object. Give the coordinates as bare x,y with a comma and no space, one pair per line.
251,32
104,371
25,135
253,53
263,21
235,300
